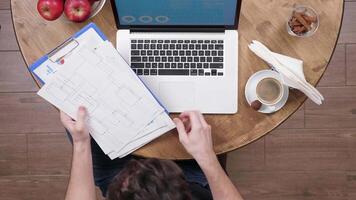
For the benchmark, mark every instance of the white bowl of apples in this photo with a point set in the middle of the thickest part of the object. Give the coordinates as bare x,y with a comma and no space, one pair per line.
75,10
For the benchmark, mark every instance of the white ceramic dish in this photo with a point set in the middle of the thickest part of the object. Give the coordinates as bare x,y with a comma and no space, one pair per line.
250,90
96,7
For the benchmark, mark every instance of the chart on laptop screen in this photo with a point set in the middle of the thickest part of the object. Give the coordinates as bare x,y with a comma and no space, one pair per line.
176,12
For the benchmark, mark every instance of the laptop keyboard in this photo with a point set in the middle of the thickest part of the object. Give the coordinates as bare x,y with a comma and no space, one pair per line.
177,57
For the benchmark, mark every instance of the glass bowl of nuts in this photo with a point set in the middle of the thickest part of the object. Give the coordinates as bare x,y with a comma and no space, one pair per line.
303,22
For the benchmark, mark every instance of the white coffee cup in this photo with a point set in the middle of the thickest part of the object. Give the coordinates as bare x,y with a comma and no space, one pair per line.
269,91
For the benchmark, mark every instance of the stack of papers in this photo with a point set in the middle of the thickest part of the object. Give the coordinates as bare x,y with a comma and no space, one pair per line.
123,113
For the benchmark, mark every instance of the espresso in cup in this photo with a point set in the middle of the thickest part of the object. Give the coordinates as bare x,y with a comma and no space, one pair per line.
269,91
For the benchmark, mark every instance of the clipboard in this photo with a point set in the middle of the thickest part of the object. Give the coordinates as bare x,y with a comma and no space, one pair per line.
66,48
63,50
83,45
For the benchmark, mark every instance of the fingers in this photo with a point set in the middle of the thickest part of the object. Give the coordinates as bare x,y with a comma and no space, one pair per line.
181,130
187,125
202,120
198,114
71,125
193,117
81,116
67,121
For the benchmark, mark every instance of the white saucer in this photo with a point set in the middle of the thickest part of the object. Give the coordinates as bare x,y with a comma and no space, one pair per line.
250,90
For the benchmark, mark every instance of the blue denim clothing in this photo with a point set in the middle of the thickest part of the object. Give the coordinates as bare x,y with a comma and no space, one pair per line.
106,169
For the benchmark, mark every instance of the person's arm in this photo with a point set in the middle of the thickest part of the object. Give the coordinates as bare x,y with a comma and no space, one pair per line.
81,182
195,135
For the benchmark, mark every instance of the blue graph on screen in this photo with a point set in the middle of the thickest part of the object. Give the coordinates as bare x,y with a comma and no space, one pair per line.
176,12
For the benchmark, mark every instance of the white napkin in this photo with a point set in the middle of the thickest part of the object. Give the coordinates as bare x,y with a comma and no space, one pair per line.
291,70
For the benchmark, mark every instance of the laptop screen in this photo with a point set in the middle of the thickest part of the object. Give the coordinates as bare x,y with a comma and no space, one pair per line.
176,12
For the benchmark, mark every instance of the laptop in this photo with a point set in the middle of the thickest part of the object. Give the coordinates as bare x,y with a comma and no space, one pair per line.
185,51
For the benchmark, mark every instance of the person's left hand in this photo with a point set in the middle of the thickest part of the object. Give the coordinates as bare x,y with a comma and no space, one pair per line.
78,129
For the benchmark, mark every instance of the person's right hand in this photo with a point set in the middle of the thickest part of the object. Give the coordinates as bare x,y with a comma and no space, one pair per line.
195,135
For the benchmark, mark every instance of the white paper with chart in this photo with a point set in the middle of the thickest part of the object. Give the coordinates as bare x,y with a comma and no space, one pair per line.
123,114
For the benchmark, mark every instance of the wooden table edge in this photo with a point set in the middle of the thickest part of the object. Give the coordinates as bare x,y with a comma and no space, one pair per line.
229,149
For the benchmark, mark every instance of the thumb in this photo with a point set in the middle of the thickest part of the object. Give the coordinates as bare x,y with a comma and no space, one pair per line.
81,116
181,129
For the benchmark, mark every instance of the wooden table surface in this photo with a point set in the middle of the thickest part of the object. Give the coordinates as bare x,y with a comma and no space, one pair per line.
262,20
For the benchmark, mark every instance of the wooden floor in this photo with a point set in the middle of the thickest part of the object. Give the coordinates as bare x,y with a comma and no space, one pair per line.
311,156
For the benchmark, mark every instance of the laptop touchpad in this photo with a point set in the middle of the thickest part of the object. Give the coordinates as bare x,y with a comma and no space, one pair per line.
177,96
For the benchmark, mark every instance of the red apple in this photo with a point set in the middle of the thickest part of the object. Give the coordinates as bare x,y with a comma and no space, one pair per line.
50,9
77,10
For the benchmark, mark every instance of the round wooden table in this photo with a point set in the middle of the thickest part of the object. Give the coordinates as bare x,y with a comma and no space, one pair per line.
262,20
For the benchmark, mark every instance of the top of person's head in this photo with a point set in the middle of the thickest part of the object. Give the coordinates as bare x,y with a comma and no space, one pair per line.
149,179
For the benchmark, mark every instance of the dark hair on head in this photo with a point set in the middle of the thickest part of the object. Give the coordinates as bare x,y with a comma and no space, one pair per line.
149,179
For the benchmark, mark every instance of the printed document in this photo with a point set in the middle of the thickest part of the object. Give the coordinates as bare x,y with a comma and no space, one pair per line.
123,113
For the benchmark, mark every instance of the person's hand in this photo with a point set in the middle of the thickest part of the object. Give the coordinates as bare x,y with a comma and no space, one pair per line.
195,135
78,129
